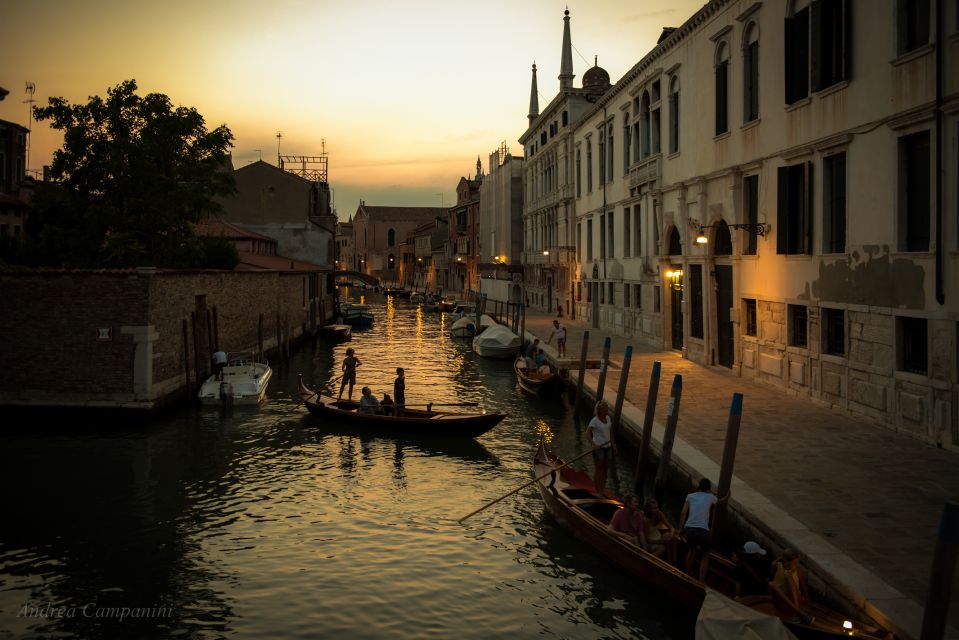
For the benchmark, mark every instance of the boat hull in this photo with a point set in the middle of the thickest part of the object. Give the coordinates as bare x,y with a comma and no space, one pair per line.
247,385
533,383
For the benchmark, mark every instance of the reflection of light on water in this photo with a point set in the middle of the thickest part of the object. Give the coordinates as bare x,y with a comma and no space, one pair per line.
419,323
390,316
543,431
362,299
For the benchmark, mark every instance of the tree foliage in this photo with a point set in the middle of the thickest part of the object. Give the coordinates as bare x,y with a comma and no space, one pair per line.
133,176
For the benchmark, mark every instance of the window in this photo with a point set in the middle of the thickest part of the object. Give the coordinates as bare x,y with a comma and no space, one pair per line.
722,84
602,153
609,151
751,73
626,301
565,118
638,296
674,115
817,50
637,232
602,237
834,331
751,211
612,293
611,234
834,204
579,241
911,340
391,238
797,326
627,142
655,119
579,173
793,220
589,166
914,186
696,300
913,24
645,125
626,234
750,312
589,239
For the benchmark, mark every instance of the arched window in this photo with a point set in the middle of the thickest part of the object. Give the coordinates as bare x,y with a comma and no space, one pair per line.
723,242
391,238
674,115
751,72
722,88
645,135
675,244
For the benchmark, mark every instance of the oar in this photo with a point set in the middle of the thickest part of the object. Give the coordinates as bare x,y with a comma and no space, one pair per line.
340,377
534,480
450,404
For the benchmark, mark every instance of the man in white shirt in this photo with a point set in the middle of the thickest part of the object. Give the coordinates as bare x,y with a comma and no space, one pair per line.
694,523
559,332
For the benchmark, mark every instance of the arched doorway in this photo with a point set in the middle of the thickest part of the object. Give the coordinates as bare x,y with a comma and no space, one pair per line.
725,341
674,279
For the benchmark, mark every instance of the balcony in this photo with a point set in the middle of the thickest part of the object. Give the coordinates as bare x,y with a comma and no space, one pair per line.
648,170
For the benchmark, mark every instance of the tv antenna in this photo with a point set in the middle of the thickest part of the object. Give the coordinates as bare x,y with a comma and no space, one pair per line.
259,153
279,137
30,90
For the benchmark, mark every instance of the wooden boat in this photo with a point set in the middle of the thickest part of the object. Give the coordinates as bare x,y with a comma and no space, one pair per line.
244,382
570,497
533,382
357,315
337,331
411,421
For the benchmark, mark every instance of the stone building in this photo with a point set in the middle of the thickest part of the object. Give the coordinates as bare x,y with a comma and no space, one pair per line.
548,209
14,191
343,253
501,227
464,234
777,196
378,233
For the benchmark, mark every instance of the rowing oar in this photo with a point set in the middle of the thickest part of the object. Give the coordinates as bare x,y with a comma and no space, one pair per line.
338,378
450,404
537,479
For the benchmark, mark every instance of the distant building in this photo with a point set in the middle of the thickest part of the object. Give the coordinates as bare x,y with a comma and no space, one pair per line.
14,187
464,234
501,227
289,208
378,233
429,242
343,253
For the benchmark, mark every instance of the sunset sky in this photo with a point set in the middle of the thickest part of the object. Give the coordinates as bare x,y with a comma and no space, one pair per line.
406,94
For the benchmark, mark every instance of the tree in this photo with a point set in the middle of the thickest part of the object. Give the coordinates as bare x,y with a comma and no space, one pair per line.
132,178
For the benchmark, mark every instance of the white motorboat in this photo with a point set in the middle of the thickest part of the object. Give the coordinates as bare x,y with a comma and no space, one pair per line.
463,328
497,342
243,381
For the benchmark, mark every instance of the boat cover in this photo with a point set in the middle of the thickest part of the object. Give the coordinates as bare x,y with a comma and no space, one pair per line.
724,619
497,337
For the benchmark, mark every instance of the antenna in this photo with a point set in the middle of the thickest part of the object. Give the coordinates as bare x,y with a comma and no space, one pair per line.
441,198
259,153
30,90
279,160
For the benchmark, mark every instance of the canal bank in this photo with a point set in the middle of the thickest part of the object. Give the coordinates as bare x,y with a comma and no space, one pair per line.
861,504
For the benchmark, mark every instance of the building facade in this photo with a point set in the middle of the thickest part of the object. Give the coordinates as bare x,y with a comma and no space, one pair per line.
779,198
464,234
379,232
501,227
14,191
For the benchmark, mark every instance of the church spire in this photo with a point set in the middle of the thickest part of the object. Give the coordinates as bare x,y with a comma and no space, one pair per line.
533,99
566,60
479,168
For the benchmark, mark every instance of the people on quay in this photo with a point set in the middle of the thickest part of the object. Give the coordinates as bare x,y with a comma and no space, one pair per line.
694,522
628,522
661,536
599,432
348,366
753,571
789,588
399,390
369,403
559,332
219,361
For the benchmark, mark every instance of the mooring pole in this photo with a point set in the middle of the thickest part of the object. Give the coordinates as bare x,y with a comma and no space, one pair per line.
640,478
603,365
672,417
726,470
943,574
216,331
186,356
621,394
582,373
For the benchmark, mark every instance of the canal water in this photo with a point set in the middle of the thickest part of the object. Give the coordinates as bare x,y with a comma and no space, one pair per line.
266,524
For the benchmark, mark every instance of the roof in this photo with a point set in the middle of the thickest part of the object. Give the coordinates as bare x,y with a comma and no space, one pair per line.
223,229
13,201
411,214
255,262
260,164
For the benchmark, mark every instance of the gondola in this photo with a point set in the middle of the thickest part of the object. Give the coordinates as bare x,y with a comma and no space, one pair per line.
570,498
410,422
534,382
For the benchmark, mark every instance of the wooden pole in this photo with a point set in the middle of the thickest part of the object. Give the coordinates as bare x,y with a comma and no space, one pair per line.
943,573
672,417
186,357
603,365
522,322
209,335
196,348
621,394
582,373
726,469
639,480
259,338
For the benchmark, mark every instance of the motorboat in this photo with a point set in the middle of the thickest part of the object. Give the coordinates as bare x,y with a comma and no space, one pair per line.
463,327
337,331
497,342
356,315
243,381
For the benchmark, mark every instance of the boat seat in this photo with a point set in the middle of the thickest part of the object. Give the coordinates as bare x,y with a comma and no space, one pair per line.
579,494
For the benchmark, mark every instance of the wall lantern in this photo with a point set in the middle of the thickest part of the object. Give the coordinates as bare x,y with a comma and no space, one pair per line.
675,277
546,252
756,229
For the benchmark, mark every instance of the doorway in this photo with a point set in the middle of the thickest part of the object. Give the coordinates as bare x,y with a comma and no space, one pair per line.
676,310
724,326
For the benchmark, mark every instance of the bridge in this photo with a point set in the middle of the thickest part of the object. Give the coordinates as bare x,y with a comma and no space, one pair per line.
356,275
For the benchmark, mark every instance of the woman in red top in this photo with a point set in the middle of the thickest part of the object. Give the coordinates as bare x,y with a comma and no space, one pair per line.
628,522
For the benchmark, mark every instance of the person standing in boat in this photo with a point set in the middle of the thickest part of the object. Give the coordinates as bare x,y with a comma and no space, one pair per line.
219,361
399,391
694,522
349,365
599,432
628,522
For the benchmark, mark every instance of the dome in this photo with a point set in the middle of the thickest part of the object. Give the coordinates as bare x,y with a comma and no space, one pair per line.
596,80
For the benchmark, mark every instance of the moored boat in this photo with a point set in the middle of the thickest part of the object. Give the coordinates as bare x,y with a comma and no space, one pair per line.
410,421
534,381
243,381
356,315
463,328
497,342
337,331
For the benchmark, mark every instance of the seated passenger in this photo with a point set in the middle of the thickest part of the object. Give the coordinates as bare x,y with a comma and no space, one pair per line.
389,408
660,534
369,403
752,571
788,587
627,523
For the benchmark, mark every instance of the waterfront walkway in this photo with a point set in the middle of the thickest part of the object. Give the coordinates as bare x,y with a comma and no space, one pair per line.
861,503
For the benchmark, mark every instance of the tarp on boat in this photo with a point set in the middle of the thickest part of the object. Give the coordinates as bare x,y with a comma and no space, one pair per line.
724,619
496,339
